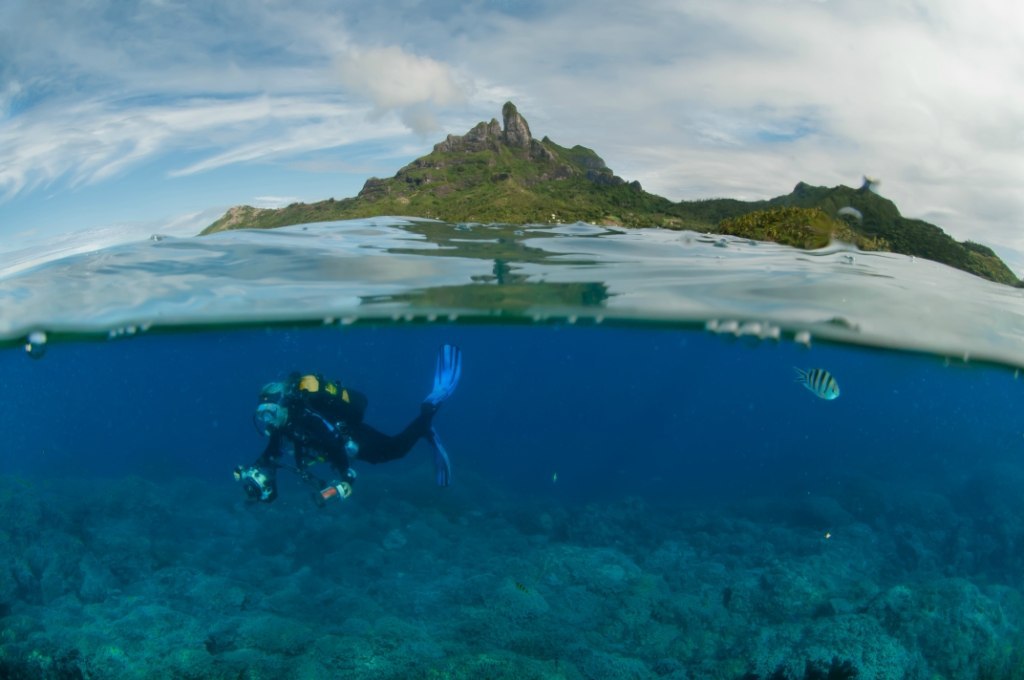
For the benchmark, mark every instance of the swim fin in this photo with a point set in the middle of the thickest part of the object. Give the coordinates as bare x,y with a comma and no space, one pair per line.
442,464
446,375
446,379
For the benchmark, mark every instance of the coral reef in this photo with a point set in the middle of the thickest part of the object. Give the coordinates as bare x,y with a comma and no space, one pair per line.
129,578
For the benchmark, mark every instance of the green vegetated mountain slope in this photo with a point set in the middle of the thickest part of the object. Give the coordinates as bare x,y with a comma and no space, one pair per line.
501,173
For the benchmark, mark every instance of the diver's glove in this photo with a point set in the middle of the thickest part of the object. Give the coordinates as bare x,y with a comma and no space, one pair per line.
257,483
446,375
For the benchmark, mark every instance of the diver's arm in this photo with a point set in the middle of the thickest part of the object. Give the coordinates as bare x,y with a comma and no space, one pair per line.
268,459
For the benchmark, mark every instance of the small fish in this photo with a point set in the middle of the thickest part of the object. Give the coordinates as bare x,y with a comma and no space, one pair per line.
554,478
819,381
521,588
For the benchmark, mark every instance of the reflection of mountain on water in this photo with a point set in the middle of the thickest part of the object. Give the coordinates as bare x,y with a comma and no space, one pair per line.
504,291
504,288
505,242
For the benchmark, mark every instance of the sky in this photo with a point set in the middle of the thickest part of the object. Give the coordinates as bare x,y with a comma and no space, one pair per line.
124,118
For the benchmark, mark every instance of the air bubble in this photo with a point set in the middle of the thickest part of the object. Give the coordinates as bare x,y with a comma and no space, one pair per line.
35,344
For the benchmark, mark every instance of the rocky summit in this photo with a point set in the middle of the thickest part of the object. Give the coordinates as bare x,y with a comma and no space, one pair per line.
500,173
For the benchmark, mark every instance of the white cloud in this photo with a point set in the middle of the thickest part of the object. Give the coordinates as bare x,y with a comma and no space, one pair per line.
96,140
9,92
394,79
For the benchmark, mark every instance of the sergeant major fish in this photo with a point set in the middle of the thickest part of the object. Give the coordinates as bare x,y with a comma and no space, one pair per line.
819,381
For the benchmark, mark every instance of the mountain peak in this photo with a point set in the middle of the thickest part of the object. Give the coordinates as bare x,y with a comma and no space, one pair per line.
517,130
491,136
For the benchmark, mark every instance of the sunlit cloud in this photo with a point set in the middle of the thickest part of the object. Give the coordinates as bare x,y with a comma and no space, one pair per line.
395,80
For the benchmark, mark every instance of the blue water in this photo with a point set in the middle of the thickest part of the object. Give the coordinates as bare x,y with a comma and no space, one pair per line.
630,500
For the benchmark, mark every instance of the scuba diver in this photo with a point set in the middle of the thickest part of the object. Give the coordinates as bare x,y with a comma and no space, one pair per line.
311,420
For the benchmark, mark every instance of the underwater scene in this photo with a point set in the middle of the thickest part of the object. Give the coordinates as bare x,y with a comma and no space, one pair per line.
576,452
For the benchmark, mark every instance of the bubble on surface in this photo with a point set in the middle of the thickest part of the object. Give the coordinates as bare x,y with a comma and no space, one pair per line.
35,344
751,328
122,331
730,326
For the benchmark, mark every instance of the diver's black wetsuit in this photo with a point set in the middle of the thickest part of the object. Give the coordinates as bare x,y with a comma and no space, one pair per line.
310,420
328,427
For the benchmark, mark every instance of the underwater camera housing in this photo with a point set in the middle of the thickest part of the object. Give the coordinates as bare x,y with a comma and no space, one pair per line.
257,484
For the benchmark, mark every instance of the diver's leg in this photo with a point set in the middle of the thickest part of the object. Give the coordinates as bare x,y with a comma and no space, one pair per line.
377,447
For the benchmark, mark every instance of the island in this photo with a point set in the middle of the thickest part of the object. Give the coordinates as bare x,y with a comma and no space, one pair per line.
500,173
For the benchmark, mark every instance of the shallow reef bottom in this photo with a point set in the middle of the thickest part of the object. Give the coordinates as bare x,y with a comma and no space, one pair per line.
129,578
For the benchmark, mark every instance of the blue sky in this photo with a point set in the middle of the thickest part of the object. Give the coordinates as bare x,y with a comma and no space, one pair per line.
124,118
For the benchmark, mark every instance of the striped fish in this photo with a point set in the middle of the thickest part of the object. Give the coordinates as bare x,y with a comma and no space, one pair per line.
819,381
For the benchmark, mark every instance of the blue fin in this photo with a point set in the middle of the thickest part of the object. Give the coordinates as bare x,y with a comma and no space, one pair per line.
446,375
442,464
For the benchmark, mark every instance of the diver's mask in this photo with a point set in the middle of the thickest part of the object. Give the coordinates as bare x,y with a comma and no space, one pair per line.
257,484
271,414
269,417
